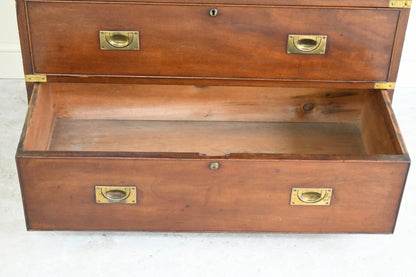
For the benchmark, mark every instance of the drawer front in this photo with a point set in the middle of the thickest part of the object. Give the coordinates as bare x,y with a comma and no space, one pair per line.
186,41
188,195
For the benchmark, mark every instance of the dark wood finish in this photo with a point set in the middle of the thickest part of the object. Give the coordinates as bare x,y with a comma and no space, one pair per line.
241,42
398,45
195,80
392,123
41,121
187,111
390,92
185,195
211,138
250,192
378,131
326,3
209,120
204,103
199,81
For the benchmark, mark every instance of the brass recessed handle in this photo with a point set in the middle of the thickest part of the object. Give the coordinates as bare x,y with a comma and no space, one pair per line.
311,196
115,194
119,40
306,44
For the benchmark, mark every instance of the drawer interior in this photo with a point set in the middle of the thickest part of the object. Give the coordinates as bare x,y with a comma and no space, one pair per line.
212,120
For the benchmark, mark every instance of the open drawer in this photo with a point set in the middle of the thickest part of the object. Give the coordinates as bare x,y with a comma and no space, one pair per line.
187,158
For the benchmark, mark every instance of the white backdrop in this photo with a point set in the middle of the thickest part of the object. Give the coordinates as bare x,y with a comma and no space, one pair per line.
11,65
78,254
10,58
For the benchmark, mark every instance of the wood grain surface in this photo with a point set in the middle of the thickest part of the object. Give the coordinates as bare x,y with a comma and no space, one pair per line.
398,45
210,138
204,103
213,121
185,195
41,117
327,3
249,191
377,126
193,79
183,40
266,141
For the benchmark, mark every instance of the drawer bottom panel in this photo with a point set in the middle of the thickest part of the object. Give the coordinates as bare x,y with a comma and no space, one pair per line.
187,195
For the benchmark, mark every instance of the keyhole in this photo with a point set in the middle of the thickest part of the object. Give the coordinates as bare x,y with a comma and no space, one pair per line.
213,12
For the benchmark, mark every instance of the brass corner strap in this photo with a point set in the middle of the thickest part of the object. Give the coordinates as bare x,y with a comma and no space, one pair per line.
400,4
384,85
38,78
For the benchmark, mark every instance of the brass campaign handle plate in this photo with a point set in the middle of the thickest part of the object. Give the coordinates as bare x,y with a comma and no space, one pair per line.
119,40
311,196
115,194
306,44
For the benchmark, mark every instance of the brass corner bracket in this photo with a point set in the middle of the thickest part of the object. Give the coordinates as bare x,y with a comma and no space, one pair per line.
38,78
400,4
385,85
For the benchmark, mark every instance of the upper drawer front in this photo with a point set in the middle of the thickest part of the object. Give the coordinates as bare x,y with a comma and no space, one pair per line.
185,41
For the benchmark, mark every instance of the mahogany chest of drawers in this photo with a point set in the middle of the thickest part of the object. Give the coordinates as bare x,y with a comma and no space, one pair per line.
212,115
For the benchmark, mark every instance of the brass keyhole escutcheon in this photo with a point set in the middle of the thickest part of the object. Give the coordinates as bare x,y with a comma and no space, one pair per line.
213,12
214,166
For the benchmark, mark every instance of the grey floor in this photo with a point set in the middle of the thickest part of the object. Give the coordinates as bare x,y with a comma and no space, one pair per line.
25,253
